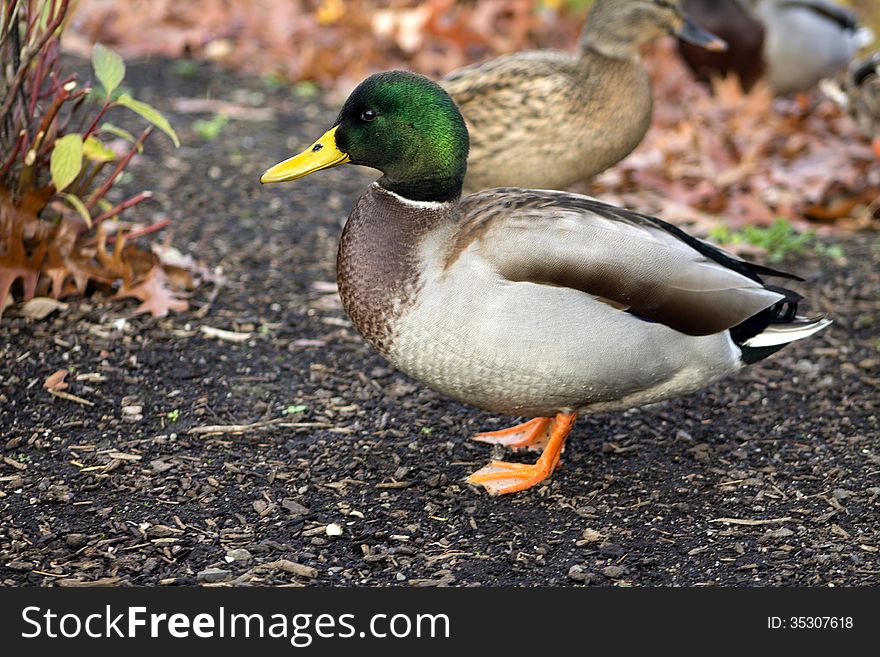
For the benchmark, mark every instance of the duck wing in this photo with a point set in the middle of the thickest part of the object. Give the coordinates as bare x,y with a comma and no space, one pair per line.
843,16
636,262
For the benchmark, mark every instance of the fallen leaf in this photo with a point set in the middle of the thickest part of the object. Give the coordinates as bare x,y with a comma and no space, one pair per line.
40,307
156,296
55,381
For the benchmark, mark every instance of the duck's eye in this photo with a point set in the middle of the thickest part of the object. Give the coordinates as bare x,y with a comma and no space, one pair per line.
369,115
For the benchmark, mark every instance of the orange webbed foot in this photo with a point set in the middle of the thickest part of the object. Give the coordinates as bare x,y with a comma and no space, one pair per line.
532,435
501,477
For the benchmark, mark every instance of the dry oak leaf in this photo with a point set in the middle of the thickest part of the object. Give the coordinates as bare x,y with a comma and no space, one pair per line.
155,295
41,307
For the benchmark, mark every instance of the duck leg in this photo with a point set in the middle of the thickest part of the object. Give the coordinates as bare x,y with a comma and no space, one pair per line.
501,477
532,435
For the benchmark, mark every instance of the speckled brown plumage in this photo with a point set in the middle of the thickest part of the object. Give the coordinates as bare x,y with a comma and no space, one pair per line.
377,265
547,119
863,89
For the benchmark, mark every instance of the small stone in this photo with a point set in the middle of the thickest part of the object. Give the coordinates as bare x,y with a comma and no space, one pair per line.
782,532
613,572
238,554
841,493
577,573
290,567
591,536
161,531
294,508
133,413
333,529
213,575
611,550
76,541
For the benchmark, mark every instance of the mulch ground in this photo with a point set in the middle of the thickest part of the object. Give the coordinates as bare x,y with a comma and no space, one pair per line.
344,472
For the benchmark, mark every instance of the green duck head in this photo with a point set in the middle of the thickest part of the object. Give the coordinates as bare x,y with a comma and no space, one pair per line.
400,123
619,28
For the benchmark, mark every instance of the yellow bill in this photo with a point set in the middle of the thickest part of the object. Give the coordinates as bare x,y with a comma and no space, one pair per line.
323,154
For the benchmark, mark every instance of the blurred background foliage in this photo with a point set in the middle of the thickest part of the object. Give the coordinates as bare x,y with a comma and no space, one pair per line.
338,41
745,157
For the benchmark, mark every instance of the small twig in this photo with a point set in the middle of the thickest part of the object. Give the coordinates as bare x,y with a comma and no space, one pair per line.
746,521
256,426
120,207
133,235
70,397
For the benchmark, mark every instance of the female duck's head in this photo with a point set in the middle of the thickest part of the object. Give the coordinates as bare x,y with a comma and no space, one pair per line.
619,28
401,123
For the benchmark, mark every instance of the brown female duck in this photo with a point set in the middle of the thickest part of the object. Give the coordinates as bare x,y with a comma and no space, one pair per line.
548,119
858,91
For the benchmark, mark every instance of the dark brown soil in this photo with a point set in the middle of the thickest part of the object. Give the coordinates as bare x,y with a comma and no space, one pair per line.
789,449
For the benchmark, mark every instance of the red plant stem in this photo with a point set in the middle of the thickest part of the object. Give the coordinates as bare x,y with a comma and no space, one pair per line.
10,9
15,149
77,99
117,209
133,235
38,47
37,83
103,189
100,115
57,102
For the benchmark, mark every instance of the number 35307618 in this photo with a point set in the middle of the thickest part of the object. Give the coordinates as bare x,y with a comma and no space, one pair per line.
810,623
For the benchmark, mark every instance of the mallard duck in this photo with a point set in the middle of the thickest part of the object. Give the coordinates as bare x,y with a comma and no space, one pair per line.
858,91
793,43
534,303
548,118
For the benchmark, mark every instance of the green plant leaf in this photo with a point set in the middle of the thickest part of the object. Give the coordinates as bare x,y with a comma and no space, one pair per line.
121,133
74,201
109,68
94,150
66,161
149,113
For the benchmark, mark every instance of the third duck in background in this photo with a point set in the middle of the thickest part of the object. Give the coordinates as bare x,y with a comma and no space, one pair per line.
791,43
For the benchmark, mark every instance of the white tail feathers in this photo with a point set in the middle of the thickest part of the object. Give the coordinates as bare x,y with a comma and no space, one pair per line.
798,329
863,37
